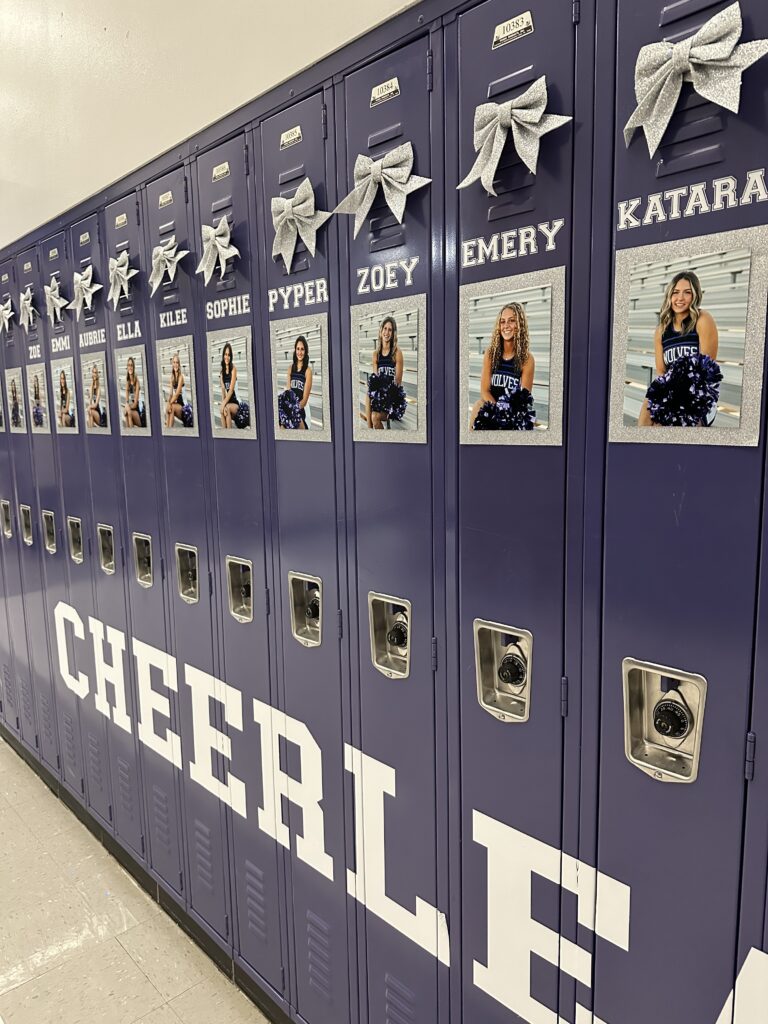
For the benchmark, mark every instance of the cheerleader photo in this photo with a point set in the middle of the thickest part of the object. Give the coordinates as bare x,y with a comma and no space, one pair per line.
389,370
176,385
63,391
682,351
511,348
299,349
93,376
14,393
230,383
37,399
131,387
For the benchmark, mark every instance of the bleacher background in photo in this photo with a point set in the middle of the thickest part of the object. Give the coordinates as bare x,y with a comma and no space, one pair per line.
483,312
367,328
284,340
724,280
241,361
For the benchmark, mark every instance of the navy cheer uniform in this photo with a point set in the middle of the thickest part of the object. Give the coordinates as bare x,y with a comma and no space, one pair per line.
227,380
505,377
385,365
676,346
298,383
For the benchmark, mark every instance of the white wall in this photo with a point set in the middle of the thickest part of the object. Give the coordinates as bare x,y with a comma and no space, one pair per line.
91,89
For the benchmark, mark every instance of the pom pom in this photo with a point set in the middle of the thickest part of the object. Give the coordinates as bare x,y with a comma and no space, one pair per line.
102,417
386,396
15,417
512,411
243,416
686,393
187,416
289,410
37,416
142,416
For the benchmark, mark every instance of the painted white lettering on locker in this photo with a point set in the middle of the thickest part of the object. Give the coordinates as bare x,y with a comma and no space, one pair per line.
127,332
310,293
62,344
110,673
152,703
34,352
173,317
88,338
208,739
691,200
385,276
235,305
62,614
509,245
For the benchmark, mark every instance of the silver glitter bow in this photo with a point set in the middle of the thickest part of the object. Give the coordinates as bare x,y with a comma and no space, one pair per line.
216,246
526,116
393,173
165,259
6,312
296,217
712,60
54,302
83,289
120,273
27,311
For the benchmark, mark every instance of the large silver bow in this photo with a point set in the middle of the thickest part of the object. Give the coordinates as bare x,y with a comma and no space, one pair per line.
712,59
526,116
83,290
393,173
54,302
216,246
6,312
294,217
165,259
27,311
120,273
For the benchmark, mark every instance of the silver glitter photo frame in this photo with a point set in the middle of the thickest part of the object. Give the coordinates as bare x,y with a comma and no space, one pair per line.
166,350
239,339
732,268
66,414
283,335
542,295
410,315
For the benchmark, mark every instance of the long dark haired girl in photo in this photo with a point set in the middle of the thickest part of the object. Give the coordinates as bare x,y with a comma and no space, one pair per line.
507,362
387,360
299,379
66,418
15,412
228,379
134,403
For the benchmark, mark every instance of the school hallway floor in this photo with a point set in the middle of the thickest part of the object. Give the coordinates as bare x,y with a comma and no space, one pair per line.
80,941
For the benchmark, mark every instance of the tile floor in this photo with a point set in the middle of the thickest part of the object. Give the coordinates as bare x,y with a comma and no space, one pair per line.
80,941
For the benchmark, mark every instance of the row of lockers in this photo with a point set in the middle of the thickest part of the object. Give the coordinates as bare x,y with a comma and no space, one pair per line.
417,723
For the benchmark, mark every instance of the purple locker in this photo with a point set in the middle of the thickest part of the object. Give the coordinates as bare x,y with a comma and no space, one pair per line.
35,397
690,208
57,349
88,348
297,169
511,247
180,358
20,683
387,116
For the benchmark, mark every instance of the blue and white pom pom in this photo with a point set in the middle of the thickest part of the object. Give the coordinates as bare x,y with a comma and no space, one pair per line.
187,416
37,416
512,411
289,410
685,395
102,417
242,417
386,396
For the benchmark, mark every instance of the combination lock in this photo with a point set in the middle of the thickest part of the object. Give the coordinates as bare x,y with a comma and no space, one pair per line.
671,719
512,670
312,610
398,635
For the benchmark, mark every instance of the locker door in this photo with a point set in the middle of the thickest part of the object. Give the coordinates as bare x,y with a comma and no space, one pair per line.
34,387
58,351
82,475
294,150
689,210
21,669
513,248
383,106
184,454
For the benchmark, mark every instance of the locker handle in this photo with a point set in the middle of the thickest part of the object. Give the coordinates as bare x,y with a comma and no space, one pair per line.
49,531
75,532
503,663
306,597
142,559
187,577
389,621
239,588
106,548
5,511
25,515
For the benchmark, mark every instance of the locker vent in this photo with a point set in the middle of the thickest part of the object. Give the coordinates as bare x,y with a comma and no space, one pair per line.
255,900
203,855
70,759
161,828
26,700
125,788
95,773
47,716
319,955
400,1002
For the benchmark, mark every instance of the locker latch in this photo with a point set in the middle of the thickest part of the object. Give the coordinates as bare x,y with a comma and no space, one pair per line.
306,597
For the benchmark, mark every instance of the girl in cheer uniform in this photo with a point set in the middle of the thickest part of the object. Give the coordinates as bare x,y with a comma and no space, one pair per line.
134,403
15,413
96,413
507,362
299,379
175,404
685,329
228,379
387,360
66,418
